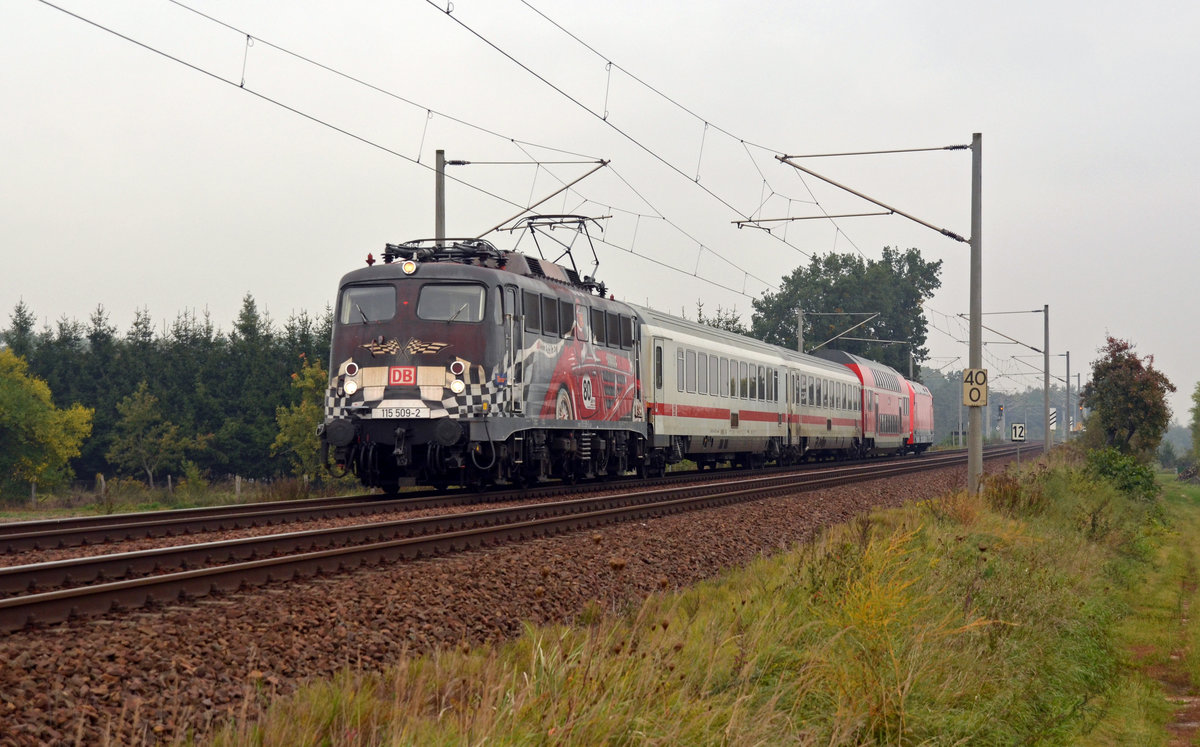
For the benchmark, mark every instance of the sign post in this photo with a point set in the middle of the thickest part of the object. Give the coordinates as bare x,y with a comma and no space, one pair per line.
1018,437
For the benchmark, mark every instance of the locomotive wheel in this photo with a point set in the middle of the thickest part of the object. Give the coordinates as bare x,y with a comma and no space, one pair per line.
562,405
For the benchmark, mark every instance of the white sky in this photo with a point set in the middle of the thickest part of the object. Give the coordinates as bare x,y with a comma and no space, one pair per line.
130,180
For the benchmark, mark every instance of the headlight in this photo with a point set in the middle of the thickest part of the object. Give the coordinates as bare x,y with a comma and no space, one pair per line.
409,267
457,386
351,387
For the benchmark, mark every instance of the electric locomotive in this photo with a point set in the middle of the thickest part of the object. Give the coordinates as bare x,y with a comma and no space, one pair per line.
454,362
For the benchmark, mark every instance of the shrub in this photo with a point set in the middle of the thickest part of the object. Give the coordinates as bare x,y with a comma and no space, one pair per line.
1125,472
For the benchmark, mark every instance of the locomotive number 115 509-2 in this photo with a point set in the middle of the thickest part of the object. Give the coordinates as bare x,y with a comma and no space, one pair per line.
395,413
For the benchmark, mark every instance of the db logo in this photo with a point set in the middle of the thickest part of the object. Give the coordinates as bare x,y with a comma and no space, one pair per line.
402,376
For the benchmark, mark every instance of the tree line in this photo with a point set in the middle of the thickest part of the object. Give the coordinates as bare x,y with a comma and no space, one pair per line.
160,396
245,402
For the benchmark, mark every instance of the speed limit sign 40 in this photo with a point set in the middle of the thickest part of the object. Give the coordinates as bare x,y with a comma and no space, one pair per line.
975,387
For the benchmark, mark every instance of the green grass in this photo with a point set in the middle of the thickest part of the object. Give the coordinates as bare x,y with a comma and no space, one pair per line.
125,495
993,619
1161,635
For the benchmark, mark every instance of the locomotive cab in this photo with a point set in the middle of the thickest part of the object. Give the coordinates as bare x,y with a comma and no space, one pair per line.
411,343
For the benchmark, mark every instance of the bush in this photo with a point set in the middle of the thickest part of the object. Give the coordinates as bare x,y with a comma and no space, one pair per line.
1125,472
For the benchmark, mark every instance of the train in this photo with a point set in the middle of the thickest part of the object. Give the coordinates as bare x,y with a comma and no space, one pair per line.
453,362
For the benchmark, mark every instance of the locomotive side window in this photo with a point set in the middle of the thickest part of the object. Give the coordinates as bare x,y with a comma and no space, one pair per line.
599,338
510,301
614,328
690,371
679,369
744,378
367,303
549,315
533,312
658,364
713,376
566,318
702,373
627,332
451,303
724,377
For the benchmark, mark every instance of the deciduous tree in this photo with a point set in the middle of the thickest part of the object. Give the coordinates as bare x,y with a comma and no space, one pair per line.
37,439
1128,399
297,436
1195,410
895,287
143,440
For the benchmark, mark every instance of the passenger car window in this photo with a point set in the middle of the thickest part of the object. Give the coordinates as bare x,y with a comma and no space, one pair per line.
451,303
361,304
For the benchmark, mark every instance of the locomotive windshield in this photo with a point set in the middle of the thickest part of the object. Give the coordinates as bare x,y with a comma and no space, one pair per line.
451,303
367,303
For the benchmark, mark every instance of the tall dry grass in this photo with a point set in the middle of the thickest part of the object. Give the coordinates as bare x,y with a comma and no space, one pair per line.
972,619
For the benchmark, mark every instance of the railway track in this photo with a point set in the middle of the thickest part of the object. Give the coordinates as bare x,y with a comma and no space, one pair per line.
52,592
16,537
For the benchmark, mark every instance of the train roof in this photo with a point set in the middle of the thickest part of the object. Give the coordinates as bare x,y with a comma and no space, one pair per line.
399,260
704,331
886,377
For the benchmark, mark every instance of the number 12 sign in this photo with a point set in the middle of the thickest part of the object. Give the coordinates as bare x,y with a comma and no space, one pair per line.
975,387
1018,432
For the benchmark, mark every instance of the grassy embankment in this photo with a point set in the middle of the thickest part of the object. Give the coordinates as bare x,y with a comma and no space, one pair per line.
1044,611
123,495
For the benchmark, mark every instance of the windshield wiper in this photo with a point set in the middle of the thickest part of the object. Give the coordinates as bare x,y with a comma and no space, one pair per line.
454,316
362,313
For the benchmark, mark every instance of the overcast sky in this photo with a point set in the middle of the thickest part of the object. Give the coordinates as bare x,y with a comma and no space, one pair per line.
131,180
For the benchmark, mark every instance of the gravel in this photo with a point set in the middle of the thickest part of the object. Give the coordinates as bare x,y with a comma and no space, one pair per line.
163,673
